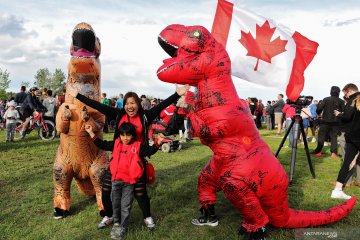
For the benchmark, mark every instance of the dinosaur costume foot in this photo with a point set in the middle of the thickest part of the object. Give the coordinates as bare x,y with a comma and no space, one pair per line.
60,213
259,234
207,218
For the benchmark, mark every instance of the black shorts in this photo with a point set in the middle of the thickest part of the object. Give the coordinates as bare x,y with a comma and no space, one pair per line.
25,114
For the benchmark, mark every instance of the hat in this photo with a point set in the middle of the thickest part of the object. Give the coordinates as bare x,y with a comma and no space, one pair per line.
33,89
11,103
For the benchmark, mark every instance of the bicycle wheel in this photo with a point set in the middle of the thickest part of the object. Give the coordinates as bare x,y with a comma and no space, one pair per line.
18,130
47,132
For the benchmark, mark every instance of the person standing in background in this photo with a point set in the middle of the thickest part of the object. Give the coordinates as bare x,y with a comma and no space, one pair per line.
106,102
120,101
49,102
313,118
351,117
20,96
145,103
11,115
329,122
61,98
278,106
269,110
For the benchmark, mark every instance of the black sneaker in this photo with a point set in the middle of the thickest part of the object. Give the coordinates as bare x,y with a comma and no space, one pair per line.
60,213
208,221
259,234
206,218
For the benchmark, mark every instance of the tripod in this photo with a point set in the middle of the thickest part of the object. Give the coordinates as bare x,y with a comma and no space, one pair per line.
298,123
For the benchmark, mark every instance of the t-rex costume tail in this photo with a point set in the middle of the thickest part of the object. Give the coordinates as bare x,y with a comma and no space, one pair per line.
243,166
77,156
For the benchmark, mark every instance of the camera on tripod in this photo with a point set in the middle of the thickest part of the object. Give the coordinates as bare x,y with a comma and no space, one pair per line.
297,123
301,101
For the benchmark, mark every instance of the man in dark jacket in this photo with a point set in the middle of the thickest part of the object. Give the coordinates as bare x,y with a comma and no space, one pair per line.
20,96
329,122
31,107
351,117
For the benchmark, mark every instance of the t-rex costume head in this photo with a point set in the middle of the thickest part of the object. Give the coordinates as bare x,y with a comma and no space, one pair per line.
243,166
84,67
77,156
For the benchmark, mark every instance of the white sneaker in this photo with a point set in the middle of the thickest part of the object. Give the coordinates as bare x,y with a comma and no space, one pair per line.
149,222
105,222
339,195
313,140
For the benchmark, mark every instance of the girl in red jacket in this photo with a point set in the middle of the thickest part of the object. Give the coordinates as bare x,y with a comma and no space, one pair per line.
126,169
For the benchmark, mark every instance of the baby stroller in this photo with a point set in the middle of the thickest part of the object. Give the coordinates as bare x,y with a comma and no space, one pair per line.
170,144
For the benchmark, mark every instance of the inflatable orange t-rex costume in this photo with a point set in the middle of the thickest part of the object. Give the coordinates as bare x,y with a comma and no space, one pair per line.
242,166
77,156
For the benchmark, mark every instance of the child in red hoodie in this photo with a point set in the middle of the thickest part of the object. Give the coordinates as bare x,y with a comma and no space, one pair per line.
126,168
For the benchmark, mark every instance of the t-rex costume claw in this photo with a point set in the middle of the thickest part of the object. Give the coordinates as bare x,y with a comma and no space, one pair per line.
243,166
77,156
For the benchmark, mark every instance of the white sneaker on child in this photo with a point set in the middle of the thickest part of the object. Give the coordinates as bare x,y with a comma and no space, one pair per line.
105,222
339,194
313,140
149,222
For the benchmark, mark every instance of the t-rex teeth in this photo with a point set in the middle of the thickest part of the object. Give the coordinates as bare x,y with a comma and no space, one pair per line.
165,68
168,42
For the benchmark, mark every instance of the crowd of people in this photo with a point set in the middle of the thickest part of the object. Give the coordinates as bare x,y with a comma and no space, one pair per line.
25,105
335,120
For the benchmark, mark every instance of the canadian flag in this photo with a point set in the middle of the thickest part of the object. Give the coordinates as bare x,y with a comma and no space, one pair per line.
261,51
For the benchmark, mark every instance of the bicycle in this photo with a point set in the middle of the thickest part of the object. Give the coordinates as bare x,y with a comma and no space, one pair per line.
46,128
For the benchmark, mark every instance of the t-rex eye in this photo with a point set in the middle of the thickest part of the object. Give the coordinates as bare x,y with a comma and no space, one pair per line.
197,34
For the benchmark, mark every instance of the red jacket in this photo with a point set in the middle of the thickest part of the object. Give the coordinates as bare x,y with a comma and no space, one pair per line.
126,164
289,111
167,113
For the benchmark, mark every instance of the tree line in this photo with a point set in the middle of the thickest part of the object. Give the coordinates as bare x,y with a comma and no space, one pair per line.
42,79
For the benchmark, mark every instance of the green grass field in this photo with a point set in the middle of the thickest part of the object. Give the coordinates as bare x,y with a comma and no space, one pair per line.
26,195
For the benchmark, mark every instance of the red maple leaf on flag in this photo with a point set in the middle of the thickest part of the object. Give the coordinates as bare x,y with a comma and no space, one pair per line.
262,47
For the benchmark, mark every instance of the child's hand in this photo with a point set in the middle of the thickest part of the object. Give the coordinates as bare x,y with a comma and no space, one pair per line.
160,138
88,128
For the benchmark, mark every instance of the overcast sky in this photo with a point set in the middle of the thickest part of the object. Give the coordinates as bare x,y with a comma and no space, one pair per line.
36,34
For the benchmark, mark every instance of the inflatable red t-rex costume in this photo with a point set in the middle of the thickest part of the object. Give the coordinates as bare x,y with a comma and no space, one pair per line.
243,166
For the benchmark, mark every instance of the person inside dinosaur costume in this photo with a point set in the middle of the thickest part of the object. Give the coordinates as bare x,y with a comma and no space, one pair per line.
77,156
243,166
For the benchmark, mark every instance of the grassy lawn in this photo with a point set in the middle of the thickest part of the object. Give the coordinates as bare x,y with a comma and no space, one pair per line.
26,195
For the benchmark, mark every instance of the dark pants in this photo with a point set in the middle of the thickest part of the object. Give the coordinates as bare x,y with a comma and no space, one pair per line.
269,123
122,196
272,116
140,195
324,130
258,120
351,149
106,125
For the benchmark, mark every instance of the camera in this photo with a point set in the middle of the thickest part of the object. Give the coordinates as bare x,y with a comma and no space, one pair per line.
301,101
